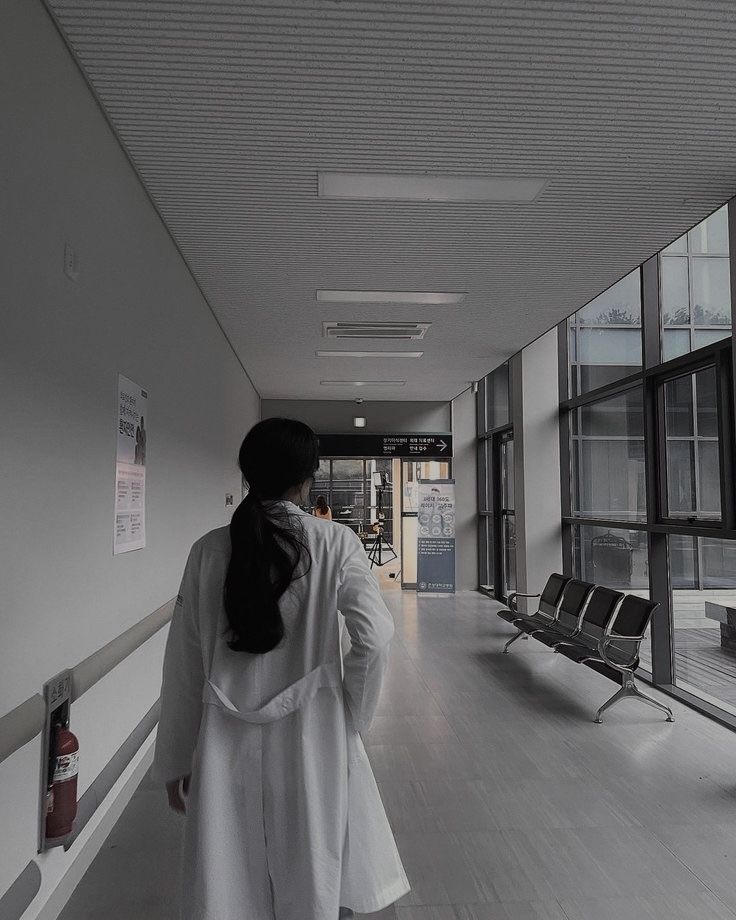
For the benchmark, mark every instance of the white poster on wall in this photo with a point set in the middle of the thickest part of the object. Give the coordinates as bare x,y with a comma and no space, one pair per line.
130,468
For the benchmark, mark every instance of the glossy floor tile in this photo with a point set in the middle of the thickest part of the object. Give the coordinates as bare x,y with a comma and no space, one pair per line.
507,802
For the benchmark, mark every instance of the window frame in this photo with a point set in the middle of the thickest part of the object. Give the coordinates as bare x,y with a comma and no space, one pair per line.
717,356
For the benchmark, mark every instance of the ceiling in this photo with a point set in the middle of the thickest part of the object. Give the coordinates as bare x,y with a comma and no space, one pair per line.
229,109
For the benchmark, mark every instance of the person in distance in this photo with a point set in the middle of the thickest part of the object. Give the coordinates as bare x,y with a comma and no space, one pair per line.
322,509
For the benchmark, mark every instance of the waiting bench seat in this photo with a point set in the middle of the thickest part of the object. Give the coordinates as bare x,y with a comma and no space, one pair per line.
591,625
549,600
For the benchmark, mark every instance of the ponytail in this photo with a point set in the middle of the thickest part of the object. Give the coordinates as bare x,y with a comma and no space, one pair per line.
268,546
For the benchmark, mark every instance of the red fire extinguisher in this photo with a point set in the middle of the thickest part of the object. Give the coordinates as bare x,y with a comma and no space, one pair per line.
62,798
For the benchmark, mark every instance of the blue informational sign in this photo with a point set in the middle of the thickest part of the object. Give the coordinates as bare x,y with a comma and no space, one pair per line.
436,537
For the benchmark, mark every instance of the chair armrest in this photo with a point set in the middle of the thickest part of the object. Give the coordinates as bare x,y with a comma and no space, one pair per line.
512,599
605,641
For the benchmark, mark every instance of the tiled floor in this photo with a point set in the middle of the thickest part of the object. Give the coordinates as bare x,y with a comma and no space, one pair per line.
507,802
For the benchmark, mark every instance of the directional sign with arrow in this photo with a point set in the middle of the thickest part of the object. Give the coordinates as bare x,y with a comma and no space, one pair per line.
427,446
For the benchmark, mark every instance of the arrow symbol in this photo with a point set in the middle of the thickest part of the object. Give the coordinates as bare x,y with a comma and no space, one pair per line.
442,445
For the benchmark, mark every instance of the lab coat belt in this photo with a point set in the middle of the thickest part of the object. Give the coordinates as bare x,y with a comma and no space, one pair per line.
285,702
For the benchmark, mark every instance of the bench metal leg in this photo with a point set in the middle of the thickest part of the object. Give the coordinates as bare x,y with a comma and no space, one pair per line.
519,635
630,689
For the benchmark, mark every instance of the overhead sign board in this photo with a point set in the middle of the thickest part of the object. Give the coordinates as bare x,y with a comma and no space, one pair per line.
406,446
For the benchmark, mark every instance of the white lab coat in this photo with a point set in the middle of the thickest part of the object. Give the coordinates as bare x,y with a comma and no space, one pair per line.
284,818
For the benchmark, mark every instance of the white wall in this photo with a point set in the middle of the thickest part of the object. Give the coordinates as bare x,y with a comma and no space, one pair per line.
464,469
136,310
331,416
535,395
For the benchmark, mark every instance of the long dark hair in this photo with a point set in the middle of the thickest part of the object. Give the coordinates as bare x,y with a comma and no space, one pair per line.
267,548
321,503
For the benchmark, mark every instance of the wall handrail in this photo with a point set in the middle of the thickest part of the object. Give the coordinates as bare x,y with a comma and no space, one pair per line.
17,898
22,724
100,663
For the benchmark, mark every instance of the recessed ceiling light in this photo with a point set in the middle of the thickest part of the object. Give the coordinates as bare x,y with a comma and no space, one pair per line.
428,297
363,383
369,354
425,187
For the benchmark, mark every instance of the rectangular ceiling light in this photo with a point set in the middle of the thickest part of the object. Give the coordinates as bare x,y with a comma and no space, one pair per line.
397,332
363,383
425,187
369,354
424,297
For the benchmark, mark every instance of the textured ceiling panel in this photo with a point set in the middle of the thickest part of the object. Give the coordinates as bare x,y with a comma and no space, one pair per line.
229,109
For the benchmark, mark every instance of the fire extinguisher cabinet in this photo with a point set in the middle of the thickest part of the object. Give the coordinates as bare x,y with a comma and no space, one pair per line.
59,766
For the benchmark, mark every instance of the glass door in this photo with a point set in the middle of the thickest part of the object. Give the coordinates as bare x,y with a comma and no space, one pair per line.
380,496
349,493
359,492
506,520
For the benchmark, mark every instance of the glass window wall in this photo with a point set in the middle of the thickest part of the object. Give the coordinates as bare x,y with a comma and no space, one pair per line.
605,337
695,288
657,453
703,578
497,396
608,471
691,446
617,558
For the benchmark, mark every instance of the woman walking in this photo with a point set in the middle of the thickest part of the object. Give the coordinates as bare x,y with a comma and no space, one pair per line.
259,737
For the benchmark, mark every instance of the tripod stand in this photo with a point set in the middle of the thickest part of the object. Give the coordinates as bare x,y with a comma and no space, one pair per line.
374,548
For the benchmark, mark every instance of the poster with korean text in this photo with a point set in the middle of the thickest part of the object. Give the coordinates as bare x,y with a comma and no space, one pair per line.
130,468
436,537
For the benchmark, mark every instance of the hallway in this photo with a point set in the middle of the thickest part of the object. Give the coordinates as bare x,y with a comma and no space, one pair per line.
507,802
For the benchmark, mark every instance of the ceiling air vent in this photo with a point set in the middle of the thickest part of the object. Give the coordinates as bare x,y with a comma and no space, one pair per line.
402,331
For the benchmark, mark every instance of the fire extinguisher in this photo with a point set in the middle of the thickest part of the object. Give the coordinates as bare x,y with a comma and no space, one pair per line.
62,797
